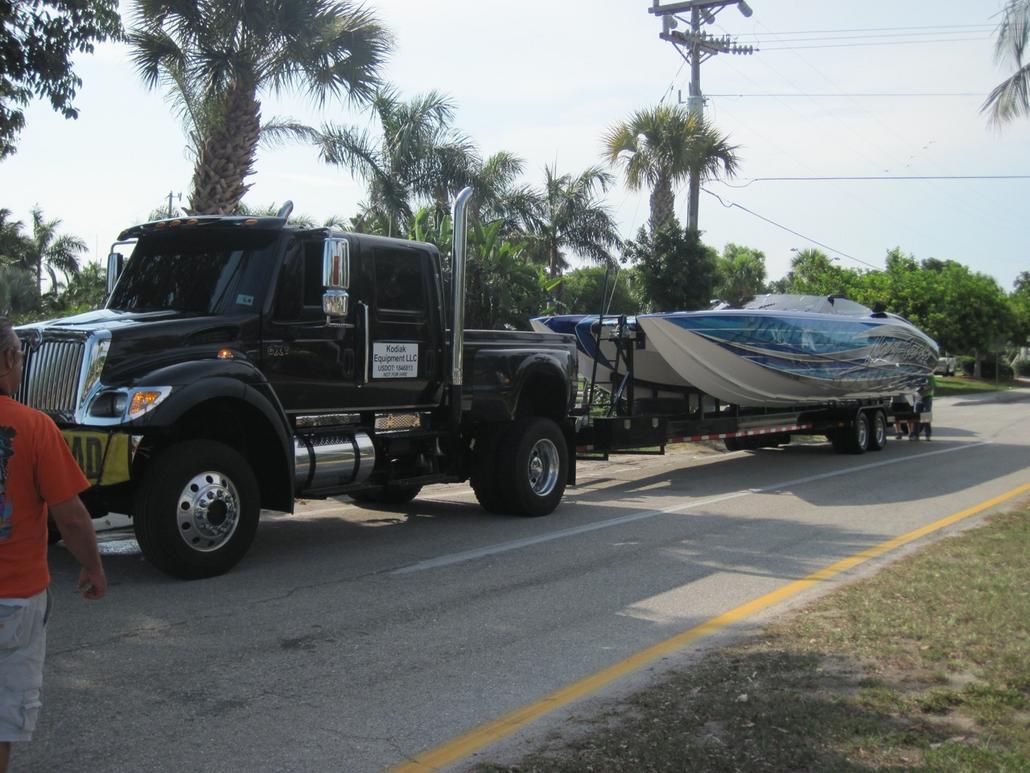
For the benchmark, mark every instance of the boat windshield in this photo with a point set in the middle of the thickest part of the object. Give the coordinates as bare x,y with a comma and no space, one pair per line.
820,304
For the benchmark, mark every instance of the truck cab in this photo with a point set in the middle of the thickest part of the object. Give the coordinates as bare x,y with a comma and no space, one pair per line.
242,362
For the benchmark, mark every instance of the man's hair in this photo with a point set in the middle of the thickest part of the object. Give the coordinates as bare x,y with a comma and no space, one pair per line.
7,336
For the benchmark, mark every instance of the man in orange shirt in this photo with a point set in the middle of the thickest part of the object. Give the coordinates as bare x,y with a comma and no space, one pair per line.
37,475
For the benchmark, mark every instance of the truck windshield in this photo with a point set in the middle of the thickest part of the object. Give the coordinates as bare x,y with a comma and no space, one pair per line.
201,272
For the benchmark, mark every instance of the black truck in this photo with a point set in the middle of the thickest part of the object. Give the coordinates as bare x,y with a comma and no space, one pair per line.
241,363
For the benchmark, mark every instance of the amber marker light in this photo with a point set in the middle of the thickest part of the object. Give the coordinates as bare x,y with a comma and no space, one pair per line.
143,401
225,354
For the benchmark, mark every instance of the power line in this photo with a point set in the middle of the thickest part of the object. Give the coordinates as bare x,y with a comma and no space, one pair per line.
963,27
881,43
862,94
733,204
884,177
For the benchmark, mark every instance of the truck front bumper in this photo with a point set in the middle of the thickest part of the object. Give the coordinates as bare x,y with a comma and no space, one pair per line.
104,457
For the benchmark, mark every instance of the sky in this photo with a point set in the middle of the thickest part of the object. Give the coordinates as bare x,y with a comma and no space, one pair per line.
833,90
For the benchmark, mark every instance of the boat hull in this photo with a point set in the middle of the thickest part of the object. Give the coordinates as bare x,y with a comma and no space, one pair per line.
772,358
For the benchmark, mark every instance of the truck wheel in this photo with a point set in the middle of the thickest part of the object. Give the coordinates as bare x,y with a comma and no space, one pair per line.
858,439
840,440
196,510
387,495
878,431
532,467
484,478
732,444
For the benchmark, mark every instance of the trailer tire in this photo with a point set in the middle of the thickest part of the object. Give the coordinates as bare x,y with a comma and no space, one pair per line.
840,440
387,495
484,477
196,510
858,435
878,431
732,444
532,467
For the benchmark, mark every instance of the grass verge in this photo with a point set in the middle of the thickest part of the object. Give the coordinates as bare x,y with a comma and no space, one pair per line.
924,666
955,385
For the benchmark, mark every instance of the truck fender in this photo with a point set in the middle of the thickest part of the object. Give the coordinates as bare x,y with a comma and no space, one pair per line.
542,386
240,385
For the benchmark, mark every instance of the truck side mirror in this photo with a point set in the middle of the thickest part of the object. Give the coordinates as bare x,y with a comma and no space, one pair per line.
335,280
336,264
115,264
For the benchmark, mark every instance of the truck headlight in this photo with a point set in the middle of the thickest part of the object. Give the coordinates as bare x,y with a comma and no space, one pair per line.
127,404
109,405
144,400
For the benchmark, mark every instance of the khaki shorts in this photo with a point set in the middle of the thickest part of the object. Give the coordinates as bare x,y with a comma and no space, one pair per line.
22,648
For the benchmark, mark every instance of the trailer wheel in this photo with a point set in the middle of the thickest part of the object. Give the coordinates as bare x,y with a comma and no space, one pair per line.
484,477
532,467
858,439
732,444
878,431
387,495
196,510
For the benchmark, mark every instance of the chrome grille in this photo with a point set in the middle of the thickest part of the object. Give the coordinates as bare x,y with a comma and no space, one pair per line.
50,382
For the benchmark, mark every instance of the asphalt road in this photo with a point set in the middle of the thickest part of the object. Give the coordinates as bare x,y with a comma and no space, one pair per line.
354,639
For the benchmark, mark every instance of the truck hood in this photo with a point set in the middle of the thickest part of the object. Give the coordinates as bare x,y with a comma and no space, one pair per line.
107,319
141,342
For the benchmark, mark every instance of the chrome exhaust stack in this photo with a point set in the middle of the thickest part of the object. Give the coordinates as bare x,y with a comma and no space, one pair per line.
459,223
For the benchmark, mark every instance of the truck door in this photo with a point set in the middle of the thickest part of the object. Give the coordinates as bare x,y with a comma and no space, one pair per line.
405,358
313,366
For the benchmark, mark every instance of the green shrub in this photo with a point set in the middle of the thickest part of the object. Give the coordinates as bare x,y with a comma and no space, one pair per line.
1005,372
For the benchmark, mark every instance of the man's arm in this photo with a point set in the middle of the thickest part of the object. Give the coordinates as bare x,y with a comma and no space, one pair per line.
76,529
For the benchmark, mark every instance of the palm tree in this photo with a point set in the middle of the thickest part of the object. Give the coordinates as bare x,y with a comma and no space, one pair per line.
18,293
1011,98
568,215
417,157
664,145
12,240
47,251
218,57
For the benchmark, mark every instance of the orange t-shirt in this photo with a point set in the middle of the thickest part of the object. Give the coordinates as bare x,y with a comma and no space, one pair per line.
36,470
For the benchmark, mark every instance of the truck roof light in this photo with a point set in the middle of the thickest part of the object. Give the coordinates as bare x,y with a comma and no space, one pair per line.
250,221
225,354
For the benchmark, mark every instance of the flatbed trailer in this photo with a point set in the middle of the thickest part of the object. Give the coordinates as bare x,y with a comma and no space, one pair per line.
854,426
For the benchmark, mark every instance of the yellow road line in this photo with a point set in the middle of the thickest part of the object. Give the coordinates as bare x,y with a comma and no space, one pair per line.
458,748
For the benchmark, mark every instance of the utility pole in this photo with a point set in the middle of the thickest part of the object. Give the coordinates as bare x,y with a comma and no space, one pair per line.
695,47
178,196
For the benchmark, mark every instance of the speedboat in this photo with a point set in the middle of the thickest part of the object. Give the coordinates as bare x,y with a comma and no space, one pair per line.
788,350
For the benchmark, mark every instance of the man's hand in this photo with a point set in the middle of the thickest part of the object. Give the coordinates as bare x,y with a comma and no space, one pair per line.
92,585
76,528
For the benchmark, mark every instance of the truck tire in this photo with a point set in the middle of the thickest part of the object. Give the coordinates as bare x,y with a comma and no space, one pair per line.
858,435
732,444
484,478
840,440
387,495
878,431
196,509
532,467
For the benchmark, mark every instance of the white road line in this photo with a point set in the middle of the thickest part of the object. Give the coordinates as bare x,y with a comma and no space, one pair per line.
505,547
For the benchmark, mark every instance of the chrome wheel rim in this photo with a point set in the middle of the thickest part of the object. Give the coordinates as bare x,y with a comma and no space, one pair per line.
543,467
862,435
208,511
